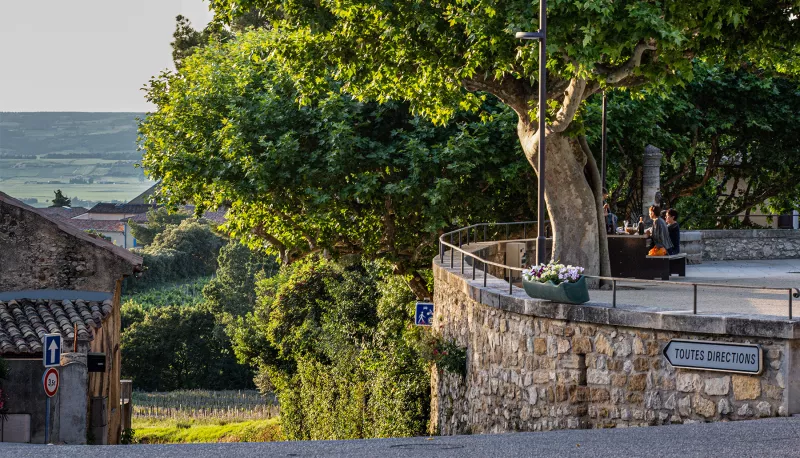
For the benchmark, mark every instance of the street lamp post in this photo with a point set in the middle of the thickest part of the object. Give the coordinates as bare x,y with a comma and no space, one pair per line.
541,35
603,145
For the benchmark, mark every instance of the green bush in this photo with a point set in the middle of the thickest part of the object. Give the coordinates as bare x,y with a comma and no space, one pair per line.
337,345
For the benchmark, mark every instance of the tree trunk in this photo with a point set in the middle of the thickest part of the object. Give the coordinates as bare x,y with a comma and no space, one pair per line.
570,201
414,280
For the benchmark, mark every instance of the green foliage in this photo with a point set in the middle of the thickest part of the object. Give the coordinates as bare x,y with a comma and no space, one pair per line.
128,437
335,343
180,347
232,291
724,129
428,52
187,250
60,200
445,353
157,222
98,235
183,294
228,129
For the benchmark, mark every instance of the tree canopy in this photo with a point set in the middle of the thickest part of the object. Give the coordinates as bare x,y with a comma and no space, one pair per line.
441,56
336,177
725,129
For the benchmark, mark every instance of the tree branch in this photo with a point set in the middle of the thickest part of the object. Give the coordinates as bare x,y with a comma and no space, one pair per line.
573,97
617,74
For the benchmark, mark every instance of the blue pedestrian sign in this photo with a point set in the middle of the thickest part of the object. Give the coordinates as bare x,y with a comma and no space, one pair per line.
52,350
424,315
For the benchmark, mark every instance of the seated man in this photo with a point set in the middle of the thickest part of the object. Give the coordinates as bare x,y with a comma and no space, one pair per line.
674,231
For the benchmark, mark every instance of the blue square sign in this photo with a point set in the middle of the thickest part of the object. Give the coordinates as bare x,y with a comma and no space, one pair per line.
424,315
52,350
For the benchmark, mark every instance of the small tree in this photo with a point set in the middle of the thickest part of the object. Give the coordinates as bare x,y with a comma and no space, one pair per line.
60,200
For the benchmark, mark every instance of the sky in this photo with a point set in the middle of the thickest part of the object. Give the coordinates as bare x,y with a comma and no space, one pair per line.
86,55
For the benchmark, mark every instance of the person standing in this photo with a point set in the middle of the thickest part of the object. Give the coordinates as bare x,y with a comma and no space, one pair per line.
674,230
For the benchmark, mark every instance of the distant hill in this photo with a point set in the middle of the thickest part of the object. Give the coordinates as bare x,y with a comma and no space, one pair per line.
90,157
95,134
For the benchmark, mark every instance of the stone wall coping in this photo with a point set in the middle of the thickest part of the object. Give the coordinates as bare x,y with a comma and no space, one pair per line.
496,295
749,233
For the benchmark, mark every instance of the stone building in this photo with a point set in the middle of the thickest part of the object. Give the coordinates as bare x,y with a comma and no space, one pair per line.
54,278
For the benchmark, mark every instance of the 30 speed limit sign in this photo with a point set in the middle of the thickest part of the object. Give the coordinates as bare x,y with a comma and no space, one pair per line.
50,381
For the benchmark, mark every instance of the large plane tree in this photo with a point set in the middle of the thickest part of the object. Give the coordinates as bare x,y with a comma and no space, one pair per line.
443,55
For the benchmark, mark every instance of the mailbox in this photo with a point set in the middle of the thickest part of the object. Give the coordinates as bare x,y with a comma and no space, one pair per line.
96,362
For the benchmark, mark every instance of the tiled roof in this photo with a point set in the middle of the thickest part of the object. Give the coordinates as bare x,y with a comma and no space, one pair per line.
63,212
23,322
102,225
121,208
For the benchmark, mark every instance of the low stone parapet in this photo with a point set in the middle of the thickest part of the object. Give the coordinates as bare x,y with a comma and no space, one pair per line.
536,365
750,244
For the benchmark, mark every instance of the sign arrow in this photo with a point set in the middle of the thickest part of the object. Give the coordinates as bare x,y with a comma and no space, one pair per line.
53,347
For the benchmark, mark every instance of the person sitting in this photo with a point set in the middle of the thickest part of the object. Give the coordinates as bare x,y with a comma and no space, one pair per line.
659,232
610,218
674,231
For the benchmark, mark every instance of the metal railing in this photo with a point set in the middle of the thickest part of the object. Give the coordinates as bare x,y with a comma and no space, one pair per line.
462,236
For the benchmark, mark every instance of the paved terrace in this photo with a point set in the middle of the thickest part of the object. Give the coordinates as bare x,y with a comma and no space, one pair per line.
769,273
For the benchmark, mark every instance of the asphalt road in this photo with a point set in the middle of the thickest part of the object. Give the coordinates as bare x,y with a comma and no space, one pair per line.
773,437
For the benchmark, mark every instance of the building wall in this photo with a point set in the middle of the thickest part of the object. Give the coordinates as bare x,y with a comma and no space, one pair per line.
39,253
536,365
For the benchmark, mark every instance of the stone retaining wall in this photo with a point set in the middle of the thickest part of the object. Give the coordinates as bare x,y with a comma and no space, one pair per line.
535,365
750,244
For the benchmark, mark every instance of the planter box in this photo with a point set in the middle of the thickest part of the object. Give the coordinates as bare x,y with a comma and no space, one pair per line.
570,293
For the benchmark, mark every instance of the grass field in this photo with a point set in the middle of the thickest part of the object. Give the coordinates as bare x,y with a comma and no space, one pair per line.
204,416
121,189
170,431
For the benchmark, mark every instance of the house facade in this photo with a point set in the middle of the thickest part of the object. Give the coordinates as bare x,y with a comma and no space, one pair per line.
55,278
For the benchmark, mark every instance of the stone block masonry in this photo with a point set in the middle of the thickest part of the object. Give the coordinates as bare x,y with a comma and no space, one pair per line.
536,365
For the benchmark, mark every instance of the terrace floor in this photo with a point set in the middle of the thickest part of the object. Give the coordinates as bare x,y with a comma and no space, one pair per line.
783,273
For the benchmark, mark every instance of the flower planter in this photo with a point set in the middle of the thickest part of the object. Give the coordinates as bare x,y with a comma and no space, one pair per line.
570,293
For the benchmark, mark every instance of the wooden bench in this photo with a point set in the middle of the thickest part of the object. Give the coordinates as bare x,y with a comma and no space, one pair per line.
670,265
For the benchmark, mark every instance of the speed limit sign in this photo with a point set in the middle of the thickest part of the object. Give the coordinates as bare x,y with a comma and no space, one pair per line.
50,382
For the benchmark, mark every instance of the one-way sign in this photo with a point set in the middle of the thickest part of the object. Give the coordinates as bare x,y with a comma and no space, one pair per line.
52,350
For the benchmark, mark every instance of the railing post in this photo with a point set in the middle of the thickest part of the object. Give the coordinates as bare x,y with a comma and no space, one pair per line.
507,225
614,293
524,230
484,274
441,252
473,268
694,305
451,250
790,303
460,253
484,232
510,283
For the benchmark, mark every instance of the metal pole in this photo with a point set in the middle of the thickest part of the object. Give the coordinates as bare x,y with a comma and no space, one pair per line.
510,283
603,144
484,233
790,304
484,275
694,307
451,250
541,210
460,253
47,420
473,268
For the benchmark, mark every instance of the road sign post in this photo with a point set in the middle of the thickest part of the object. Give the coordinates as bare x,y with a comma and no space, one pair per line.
51,350
424,314
50,382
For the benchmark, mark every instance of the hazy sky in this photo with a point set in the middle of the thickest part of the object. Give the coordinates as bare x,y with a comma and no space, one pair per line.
86,55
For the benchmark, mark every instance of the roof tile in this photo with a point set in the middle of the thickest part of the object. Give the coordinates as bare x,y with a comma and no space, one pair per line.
24,322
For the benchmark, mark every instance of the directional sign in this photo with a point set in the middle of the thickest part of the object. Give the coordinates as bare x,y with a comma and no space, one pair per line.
50,381
715,356
424,315
52,350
